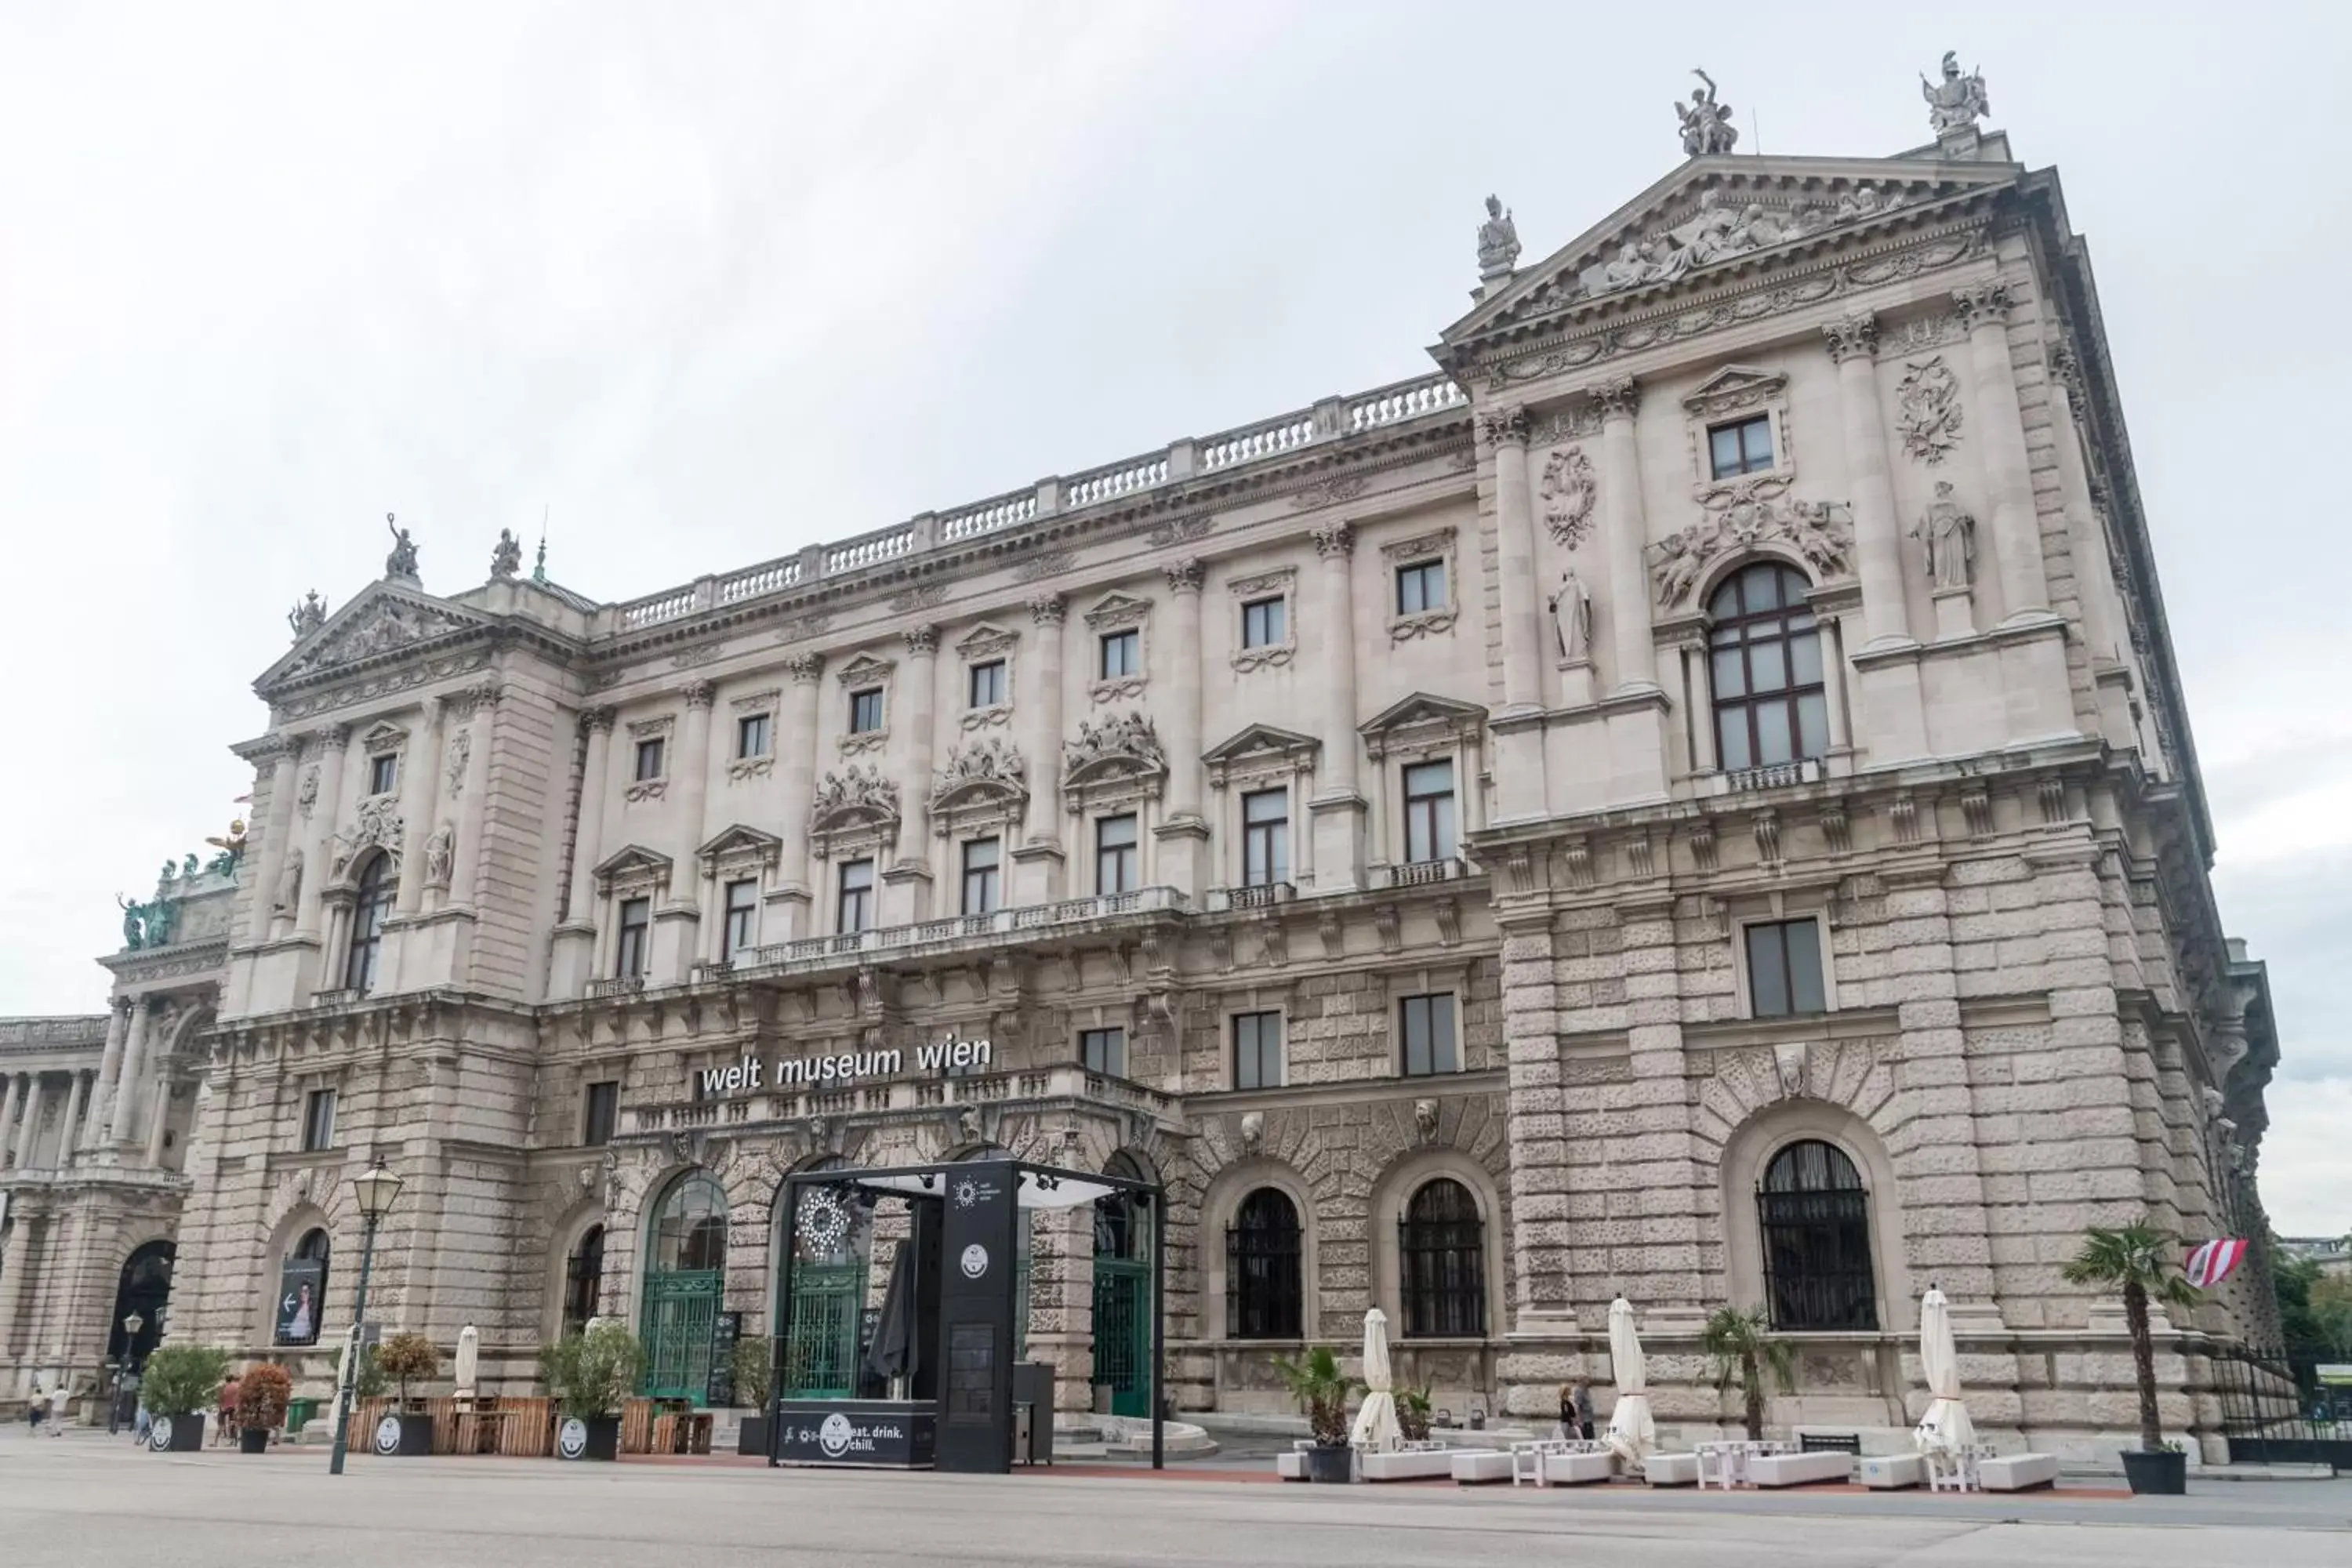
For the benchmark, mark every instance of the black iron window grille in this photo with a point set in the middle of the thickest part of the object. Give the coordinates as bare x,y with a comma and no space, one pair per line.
1442,1258
1261,1262
1814,1218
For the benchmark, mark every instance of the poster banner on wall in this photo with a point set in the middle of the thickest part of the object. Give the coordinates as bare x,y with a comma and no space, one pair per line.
301,1284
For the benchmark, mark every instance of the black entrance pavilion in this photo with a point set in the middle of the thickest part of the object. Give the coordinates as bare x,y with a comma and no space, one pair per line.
953,1315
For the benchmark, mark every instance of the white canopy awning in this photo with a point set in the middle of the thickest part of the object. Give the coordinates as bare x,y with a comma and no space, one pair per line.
1038,1189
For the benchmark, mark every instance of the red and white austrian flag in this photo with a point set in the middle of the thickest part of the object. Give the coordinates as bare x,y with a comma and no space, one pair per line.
2211,1262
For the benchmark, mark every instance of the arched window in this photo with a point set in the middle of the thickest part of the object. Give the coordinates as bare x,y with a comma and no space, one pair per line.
584,1279
686,1267
143,1290
1765,660
1814,1217
303,1289
1123,1305
368,913
691,1229
832,1254
1442,1263
1261,1296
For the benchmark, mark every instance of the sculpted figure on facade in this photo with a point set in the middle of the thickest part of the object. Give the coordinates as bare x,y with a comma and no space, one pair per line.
1959,101
856,787
1571,617
1498,241
989,760
440,851
1741,515
1706,123
1570,488
401,561
134,925
286,899
1928,410
506,555
1115,735
307,615
1947,541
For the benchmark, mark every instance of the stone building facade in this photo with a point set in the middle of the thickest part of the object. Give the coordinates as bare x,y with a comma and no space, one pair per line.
1692,800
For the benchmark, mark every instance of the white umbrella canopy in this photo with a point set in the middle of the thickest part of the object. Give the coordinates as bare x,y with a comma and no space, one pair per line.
469,1358
1946,1425
1631,1433
1376,1423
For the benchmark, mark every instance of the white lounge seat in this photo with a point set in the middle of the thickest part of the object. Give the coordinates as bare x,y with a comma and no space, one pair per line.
2018,1472
1671,1469
1475,1466
1291,1467
1578,1470
1411,1465
1890,1472
1799,1469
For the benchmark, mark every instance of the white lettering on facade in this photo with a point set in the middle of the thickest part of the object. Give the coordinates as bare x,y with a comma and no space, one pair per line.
750,1075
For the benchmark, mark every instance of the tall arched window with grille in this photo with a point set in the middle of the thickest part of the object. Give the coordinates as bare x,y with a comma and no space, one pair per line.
1442,1263
1764,663
686,1267
369,909
1262,1257
1814,1216
584,1279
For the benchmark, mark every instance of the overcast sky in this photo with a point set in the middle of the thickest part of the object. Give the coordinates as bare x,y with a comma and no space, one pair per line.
706,283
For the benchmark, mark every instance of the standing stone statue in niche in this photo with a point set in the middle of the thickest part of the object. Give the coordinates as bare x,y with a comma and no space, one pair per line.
1571,617
289,883
1947,541
1499,242
440,850
1957,101
1706,123
506,556
401,561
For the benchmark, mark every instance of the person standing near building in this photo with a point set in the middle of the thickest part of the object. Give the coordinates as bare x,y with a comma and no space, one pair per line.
36,1405
1581,1399
226,1428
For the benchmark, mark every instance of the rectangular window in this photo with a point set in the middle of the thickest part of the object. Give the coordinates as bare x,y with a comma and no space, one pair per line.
1103,1051
1122,654
987,684
1264,622
1257,1050
1266,837
1429,811
743,933
384,774
1420,587
982,862
752,733
603,1110
1427,1025
636,930
856,910
318,1120
1115,867
866,710
1745,448
649,759
1784,969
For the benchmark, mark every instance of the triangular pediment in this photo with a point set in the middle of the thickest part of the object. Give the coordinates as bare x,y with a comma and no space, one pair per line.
1420,708
383,621
1714,214
1260,740
1736,383
866,670
740,842
633,869
1116,610
986,640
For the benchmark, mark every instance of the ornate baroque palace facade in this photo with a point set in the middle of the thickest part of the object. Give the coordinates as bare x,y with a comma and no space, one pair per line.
1692,800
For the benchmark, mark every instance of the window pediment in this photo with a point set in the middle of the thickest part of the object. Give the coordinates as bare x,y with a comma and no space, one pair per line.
987,640
1116,612
1259,752
866,670
1735,389
634,871
742,847
1420,721
854,811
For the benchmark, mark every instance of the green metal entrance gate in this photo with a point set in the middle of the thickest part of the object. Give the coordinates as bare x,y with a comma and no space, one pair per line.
1123,1334
681,1320
821,1353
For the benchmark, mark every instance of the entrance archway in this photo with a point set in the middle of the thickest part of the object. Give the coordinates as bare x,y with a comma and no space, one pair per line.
685,1274
144,1288
832,1241
1123,1293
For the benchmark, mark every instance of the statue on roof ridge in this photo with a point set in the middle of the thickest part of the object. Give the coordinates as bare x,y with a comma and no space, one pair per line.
1706,123
1498,241
401,561
1957,101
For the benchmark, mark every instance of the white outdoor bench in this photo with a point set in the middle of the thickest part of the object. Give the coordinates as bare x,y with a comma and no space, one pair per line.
1578,1470
2018,1472
1888,1472
1411,1465
1955,1470
1291,1466
1473,1467
1671,1469
1799,1469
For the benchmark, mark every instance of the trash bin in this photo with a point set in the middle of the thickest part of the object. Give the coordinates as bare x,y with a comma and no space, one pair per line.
298,1412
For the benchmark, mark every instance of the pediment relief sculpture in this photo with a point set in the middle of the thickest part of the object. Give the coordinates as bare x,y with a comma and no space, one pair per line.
988,766
384,626
1741,515
855,792
1119,743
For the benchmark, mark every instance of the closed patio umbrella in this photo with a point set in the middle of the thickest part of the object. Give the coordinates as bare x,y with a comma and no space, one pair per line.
1946,1425
1631,1433
892,1354
1376,1424
469,1360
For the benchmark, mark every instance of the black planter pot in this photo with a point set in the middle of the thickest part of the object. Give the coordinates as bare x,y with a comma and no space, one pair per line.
1331,1464
754,1439
178,1434
597,1437
253,1439
2161,1473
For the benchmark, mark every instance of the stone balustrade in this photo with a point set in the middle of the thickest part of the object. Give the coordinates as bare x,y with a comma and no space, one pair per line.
999,927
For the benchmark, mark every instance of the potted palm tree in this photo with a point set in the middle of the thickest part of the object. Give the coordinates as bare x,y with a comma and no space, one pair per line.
592,1375
1741,1348
2136,1259
1412,1408
750,1365
1322,1390
262,1394
405,1359
180,1385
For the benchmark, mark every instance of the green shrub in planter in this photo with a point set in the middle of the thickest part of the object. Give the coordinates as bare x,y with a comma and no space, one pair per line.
405,1359
181,1381
262,1394
591,1375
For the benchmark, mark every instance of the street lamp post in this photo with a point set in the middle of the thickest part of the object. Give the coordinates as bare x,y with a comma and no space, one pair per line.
375,1190
131,1327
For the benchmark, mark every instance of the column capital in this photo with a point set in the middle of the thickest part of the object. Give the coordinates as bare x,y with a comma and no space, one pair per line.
807,669
1335,541
1506,426
697,693
922,642
1617,399
2066,369
1854,336
595,720
331,737
1981,304
1184,576
1049,609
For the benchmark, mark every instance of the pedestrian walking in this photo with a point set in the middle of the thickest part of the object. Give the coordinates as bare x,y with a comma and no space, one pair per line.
59,1401
1567,1411
1580,1397
142,1425
226,1430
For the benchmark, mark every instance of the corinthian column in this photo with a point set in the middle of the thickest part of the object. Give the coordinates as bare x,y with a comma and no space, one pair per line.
693,769
1184,835
473,786
420,799
328,745
70,1128
277,838
588,830
134,1064
110,1063
797,749
1878,544
2016,529
1505,430
1621,490
1047,612
905,885
7,1130
1336,545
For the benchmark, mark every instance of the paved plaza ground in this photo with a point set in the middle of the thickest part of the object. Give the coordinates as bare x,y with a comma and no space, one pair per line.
84,1500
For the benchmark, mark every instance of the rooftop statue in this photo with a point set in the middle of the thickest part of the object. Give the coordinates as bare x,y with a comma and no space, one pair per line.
506,556
401,561
1957,101
1706,123
307,615
1498,241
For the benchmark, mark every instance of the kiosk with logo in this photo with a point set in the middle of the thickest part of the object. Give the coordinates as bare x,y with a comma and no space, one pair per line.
950,1323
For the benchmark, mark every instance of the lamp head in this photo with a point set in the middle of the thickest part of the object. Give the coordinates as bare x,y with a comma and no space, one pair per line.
376,1189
